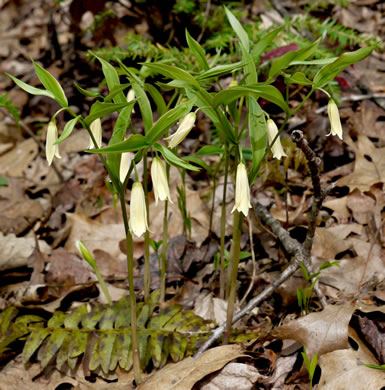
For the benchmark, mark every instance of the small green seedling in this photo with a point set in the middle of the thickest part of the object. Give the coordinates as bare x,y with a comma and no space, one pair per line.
310,365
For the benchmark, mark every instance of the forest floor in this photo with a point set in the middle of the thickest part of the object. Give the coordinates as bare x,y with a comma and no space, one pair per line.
43,211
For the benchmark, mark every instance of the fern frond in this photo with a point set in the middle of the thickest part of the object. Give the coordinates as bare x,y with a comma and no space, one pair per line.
8,105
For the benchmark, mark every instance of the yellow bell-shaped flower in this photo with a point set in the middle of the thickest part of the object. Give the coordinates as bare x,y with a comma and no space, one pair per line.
159,180
334,117
272,131
242,191
138,212
185,125
51,150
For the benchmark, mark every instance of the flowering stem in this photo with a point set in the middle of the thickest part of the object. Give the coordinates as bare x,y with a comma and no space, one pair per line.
222,275
163,258
234,261
147,273
130,266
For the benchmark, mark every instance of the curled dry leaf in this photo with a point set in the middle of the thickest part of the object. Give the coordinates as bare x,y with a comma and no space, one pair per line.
320,332
183,375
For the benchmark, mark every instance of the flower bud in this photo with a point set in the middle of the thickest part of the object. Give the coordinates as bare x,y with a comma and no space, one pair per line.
85,253
242,191
96,130
334,117
276,147
185,125
51,150
159,180
138,212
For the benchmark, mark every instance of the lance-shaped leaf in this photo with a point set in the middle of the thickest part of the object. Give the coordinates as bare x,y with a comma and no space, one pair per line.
267,92
298,78
197,51
173,72
328,72
87,93
99,110
264,42
30,89
124,349
6,318
209,150
112,79
173,159
49,349
34,340
144,105
258,136
239,30
51,84
157,98
70,125
132,144
220,70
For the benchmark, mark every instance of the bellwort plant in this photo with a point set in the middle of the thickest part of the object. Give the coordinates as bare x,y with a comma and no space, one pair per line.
241,130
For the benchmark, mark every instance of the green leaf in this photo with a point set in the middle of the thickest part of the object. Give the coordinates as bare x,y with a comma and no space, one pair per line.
144,105
267,92
249,68
298,78
285,60
62,355
68,129
118,135
73,319
164,123
209,150
51,346
157,98
173,159
34,340
328,72
132,144
78,344
30,89
197,51
220,70
124,350
115,91
112,79
8,315
106,345
264,42
238,29
173,72
87,93
57,320
99,110
197,161
51,84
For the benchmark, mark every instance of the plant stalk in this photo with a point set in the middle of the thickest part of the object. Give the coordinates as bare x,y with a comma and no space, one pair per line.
163,257
146,272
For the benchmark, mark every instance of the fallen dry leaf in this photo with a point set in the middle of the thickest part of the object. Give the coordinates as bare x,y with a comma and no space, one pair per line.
211,308
369,166
233,376
320,332
284,365
183,375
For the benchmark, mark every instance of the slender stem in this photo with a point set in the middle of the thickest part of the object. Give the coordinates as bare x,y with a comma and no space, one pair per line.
130,266
103,286
163,257
147,273
222,276
234,258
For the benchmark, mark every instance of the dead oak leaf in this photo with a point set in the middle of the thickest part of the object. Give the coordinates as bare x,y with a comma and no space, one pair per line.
320,332
369,167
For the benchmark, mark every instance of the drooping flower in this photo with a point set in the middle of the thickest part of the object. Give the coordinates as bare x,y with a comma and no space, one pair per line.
272,131
242,191
138,213
334,117
159,180
96,129
185,125
131,96
125,161
51,150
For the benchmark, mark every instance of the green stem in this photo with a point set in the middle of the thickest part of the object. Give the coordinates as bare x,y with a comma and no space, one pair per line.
163,257
130,266
147,273
234,259
103,286
222,276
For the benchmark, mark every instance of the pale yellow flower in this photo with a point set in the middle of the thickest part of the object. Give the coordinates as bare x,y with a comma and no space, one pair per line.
51,150
96,129
185,125
125,161
334,117
272,131
242,191
138,213
130,96
159,180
